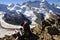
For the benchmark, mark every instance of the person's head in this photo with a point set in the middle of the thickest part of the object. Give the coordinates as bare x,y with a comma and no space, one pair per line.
21,29
25,23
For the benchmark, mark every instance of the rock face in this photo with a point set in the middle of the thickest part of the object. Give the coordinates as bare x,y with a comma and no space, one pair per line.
50,30
15,19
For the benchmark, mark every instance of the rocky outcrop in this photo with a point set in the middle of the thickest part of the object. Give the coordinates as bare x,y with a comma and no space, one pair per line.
49,30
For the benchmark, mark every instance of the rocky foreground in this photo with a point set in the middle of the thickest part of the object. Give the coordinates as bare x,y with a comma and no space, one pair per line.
49,30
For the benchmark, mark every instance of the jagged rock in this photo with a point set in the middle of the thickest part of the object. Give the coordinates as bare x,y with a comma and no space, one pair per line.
36,30
55,37
48,31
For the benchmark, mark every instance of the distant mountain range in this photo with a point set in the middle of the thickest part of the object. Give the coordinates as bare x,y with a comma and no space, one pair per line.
30,10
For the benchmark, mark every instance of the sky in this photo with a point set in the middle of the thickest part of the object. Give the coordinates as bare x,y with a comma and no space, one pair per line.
21,1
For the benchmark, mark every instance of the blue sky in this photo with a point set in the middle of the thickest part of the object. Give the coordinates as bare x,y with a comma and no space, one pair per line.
21,1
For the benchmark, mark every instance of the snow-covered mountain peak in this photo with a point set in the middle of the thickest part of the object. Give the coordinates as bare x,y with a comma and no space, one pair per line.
14,7
33,3
28,9
18,4
11,5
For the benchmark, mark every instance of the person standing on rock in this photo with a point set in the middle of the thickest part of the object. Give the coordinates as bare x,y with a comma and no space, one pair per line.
26,28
